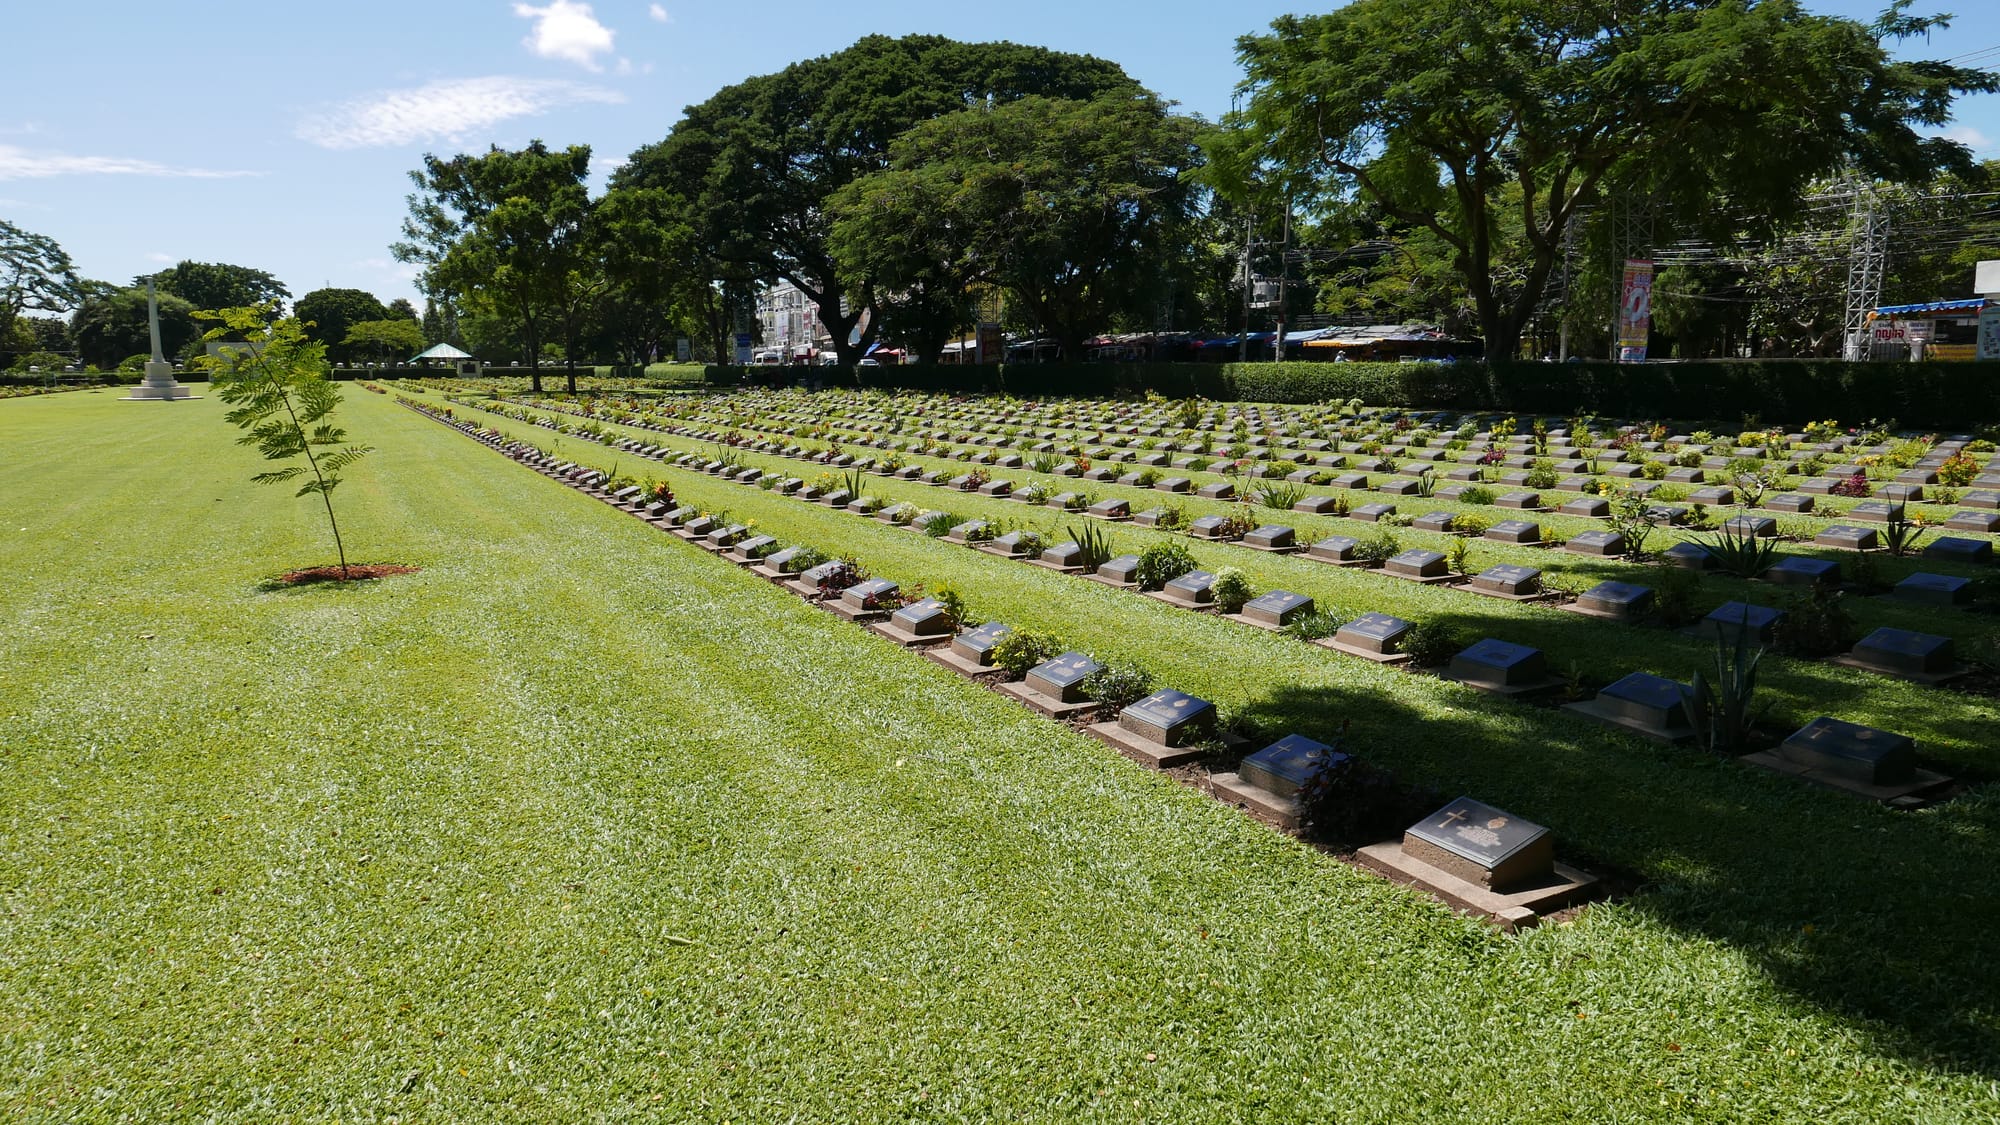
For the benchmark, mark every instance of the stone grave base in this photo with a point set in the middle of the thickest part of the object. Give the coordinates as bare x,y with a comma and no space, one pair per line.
1511,691
1046,705
1285,813
1056,568
1111,582
852,613
1909,794
1344,564
1601,614
1109,519
770,573
1538,595
1245,619
1511,911
1351,650
739,558
1927,679
804,589
964,666
1164,598
1292,550
690,536
1433,580
1601,712
894,630
1143,750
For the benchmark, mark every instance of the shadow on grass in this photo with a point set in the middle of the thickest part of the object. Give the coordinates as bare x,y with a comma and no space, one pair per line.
1881,919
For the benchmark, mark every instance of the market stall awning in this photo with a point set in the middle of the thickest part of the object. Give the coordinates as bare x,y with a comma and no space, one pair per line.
1931,308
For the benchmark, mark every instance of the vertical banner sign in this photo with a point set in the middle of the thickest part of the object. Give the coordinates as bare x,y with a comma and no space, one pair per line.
1635,310
992,347
743,349
1989,332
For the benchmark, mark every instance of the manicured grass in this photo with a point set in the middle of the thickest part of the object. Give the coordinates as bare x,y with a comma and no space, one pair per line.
580,822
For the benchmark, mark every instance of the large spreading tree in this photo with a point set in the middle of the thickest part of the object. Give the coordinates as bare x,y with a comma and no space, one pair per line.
754,166
35,275
1076,208
1431,110
510,227
219,285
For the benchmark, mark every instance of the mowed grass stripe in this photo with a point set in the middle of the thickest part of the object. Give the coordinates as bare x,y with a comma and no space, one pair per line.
570,744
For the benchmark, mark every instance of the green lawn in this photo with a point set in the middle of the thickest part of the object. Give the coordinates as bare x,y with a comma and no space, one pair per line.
580,822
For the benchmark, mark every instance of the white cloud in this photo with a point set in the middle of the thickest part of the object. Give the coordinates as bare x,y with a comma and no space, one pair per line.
566,30
659,14
444,110
25,164
156,256
1970,137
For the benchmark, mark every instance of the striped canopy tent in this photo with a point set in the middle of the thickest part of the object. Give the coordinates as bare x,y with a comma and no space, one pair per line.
1968,307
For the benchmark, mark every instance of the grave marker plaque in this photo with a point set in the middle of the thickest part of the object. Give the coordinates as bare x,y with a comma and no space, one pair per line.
1170,718
1624,601
1652,702
1519,532
1418,563
1904,652
927,618
1062,678
1757,623
1278,608
1846,538
1798,571
1335,549
1196,587
977,645
1373,632
1483,845
1272,537
1851,751
1113,509
1509,581
1601,544
1501,665
1977,552
1122,570
1285,766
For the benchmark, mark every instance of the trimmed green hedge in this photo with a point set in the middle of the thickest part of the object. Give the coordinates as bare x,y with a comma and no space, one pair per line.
1933,395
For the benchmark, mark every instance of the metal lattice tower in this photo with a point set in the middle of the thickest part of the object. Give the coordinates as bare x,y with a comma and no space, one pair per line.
1631,237
1867,261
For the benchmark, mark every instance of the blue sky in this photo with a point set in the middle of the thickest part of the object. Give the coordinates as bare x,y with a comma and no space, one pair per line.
278,135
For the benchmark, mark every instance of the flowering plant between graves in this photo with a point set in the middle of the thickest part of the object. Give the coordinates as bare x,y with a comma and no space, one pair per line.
847,572
1855,486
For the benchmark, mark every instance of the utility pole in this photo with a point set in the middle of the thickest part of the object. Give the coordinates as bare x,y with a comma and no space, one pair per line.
1243,337
1284,276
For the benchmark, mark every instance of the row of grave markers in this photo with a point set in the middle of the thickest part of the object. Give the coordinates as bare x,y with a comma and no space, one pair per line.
1509,669
1471,855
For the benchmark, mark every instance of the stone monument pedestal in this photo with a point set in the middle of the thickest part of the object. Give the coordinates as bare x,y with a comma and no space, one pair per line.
159,385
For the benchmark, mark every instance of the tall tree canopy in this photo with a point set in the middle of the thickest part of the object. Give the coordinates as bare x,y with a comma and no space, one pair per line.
511,227
218,285
35,274
1428,108
1075,208
755,165
110,327
328,314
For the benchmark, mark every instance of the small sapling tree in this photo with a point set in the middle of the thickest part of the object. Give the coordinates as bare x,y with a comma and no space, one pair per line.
284,401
